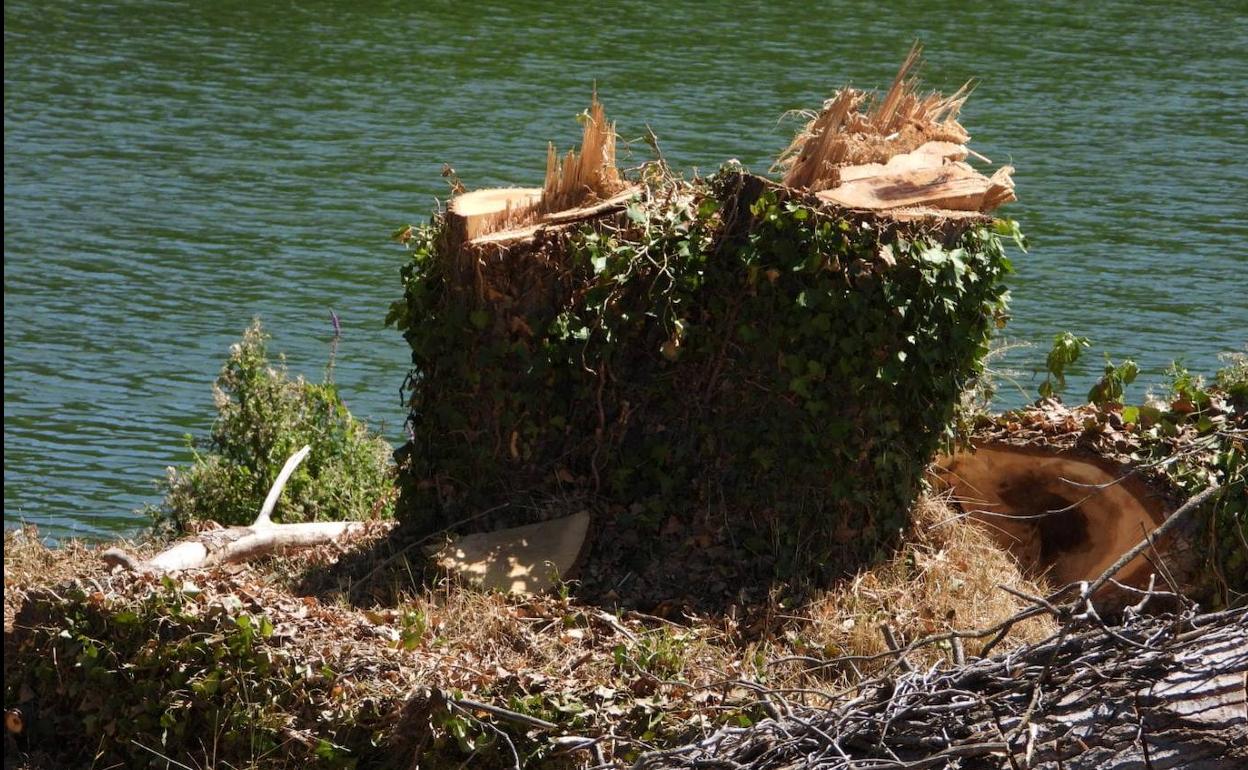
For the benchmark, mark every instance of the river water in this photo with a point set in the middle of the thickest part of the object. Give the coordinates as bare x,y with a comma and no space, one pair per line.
172,169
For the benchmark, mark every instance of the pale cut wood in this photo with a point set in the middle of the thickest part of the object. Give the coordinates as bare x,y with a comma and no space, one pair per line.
588,175
239,544
524,560
954,186
559,219
929,155
473,214
578,187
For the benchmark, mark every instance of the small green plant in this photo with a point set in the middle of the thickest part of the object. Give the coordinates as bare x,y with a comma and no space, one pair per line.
1111,387
263,416
1187,391
210,672
1065,352
660,653
1233,378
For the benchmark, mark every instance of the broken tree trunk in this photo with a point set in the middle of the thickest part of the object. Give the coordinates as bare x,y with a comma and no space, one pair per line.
1067,513
1067,489
238,544
1156,692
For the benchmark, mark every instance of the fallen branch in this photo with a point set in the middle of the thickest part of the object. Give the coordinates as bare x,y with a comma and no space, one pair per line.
1157,692
239,544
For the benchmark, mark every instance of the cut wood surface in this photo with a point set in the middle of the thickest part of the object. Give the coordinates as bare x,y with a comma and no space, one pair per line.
238,544
473,214
559,219
1067,514
1155,693
523,560
954,186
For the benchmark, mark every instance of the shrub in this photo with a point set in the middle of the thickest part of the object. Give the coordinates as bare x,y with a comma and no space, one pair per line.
263,416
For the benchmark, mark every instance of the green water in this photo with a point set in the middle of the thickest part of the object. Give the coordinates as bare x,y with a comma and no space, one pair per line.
173,169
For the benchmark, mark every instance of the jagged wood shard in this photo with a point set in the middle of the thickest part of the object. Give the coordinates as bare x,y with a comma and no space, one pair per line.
580,186
902,152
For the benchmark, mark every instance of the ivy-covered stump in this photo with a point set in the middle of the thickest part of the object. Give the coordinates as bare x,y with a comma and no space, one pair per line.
1067,490
738,377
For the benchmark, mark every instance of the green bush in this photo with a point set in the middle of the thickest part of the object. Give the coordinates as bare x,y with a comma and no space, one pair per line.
263,416
133,676
727,346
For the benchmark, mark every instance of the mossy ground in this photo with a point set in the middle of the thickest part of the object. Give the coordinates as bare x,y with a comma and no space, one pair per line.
292,661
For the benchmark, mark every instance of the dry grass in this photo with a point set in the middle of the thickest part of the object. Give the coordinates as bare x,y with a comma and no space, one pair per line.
948,576
30,563
637,680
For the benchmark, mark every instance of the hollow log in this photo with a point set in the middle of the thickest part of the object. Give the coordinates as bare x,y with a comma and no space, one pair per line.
1066,489
238,544
1157,692
1067,513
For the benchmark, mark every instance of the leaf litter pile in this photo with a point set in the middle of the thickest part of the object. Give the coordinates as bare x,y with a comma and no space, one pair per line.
278,662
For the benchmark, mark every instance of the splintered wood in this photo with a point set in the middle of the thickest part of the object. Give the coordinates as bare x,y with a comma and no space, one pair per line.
591,175
904,153
578,187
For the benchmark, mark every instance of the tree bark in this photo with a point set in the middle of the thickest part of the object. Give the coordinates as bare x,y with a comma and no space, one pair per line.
1154,693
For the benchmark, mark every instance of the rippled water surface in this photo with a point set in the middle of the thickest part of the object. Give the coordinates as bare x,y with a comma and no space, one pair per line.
173,169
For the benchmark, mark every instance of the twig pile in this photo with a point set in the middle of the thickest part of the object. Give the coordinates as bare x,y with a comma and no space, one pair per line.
1161,689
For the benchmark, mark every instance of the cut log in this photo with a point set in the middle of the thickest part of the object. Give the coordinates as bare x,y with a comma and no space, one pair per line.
523,560
239,544
1065,513
1157,692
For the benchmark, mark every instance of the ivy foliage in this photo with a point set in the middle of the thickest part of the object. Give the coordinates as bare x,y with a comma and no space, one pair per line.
727,346
1191,436
264,415
139,678
1197,437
